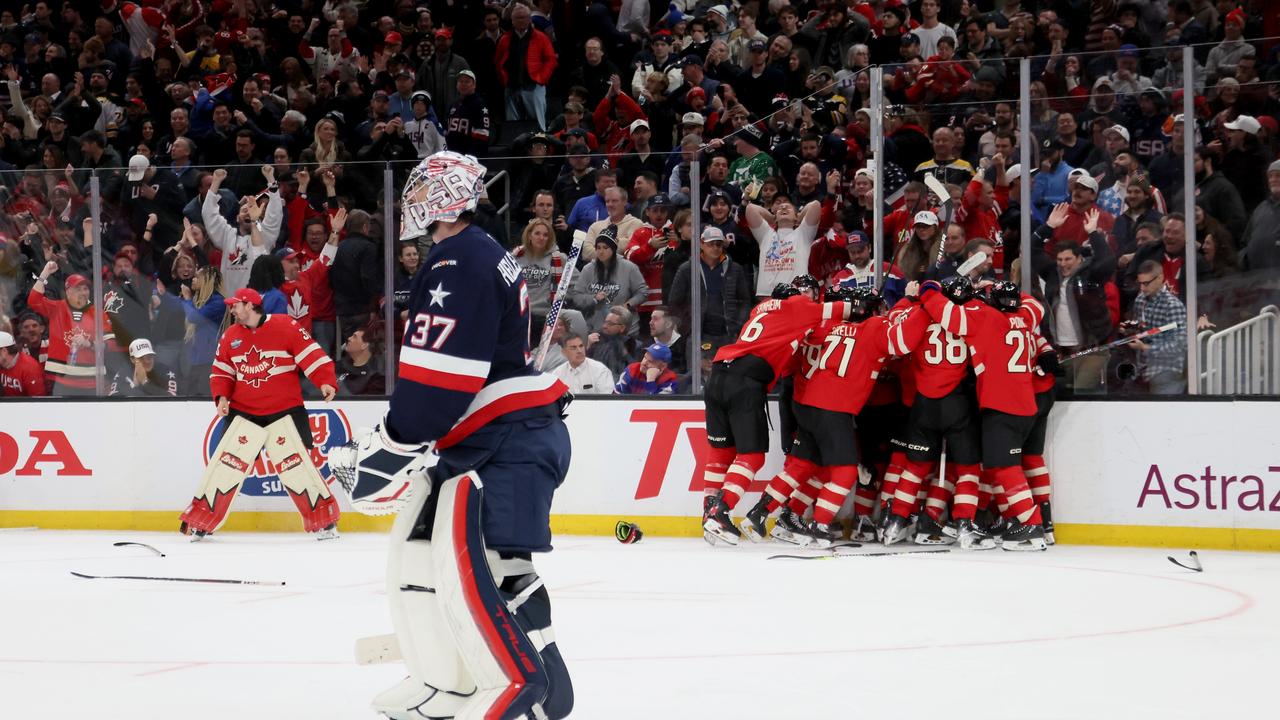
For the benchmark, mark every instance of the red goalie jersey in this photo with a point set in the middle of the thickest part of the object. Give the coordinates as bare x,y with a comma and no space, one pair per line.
257,368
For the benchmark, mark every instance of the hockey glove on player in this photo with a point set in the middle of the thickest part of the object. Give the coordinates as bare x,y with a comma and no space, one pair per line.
376,471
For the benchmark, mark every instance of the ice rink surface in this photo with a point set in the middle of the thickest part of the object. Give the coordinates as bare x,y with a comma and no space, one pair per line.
668,628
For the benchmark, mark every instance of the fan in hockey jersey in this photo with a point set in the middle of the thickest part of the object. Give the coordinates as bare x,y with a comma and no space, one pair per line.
468,124
478,641
423,130
741,375
70,368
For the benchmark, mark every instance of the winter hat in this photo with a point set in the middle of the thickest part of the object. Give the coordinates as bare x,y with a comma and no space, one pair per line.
753,136
609,236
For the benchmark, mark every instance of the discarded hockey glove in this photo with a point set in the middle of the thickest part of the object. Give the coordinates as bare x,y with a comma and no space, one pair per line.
378,472
627,533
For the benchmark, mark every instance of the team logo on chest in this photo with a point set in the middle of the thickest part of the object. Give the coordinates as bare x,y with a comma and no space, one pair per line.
254,368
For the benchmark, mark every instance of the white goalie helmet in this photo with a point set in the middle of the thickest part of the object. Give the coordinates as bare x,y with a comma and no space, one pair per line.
441,187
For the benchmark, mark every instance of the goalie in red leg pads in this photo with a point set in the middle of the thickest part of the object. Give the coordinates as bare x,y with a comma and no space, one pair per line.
255,383
471,616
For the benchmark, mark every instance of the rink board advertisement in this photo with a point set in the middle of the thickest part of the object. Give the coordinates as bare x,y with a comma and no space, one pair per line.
1122,472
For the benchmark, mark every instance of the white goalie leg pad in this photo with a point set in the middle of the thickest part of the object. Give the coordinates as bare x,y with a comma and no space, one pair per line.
293,462
505,662
228,466
439,683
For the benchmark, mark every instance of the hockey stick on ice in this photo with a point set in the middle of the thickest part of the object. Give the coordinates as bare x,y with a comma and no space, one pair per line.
562,290
1123,341
137,544
1195,562
835,555
177,579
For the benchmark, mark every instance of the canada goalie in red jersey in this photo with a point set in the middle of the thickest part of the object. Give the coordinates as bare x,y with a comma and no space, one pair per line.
255,384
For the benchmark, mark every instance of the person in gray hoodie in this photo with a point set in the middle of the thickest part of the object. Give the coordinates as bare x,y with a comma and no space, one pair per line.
609,280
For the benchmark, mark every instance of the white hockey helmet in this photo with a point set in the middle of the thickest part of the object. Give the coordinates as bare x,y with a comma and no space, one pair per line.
441,187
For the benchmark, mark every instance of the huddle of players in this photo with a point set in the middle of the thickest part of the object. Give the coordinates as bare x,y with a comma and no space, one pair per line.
950,367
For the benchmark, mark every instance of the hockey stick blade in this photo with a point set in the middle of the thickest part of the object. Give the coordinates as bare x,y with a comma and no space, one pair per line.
834,556
1194,567
178,579
137,544
937,188
973,263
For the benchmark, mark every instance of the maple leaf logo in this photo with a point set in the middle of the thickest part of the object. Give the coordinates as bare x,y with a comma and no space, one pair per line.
280,440
113,302
243,439
253,368
298,308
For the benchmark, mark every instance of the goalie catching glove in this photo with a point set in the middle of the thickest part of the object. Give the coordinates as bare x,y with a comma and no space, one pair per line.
376,471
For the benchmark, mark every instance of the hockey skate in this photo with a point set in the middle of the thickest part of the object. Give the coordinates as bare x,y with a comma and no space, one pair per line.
754,526
972,537
789,529
929,532
895,530
864,531
328,533
1023,538
821,535
1046,518
196,535
719,524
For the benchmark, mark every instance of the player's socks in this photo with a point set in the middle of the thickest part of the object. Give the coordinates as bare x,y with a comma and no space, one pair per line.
739,477
964,504
718,460
909,486
833,493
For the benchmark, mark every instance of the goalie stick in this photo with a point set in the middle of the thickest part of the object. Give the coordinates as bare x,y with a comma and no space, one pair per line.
562,289
177,579
1195,562
1123,341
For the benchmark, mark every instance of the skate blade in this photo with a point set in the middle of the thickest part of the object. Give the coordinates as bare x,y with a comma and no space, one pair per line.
1036,545
790,538
976,546
723,536
933,540
752,534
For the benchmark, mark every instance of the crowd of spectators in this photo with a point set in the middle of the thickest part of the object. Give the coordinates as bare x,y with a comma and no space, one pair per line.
234,143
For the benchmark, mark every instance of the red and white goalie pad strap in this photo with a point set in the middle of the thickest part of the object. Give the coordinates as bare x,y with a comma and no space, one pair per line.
376,471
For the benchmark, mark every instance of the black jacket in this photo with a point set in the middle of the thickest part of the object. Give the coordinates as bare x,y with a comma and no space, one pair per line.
736,299
356,275
1088,285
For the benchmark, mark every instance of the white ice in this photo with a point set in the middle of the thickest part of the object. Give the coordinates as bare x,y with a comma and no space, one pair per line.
668,628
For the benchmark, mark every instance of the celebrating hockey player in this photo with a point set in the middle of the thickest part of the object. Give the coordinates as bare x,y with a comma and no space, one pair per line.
255,385
472,618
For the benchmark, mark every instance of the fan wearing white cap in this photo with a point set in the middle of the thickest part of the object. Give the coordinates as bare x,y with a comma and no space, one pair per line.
154,191
148,379
20,374
1066,223
1245,160
468,122
916,255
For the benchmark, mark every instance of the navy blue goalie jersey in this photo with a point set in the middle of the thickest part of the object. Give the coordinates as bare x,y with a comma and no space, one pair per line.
465,360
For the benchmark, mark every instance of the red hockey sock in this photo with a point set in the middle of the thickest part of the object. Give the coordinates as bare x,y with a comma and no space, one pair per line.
864,499
1012,485
718,460
939,494
965,503
324,514
740,476
889,483
805,495
905,496
1037,477
831,497
780,488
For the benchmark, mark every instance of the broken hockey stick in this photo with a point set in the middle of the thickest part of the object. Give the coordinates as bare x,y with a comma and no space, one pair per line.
562,290
944,199
137,544
1123,341
1195,562
177,579
834,555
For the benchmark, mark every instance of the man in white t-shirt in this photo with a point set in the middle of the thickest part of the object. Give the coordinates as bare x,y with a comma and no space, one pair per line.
785,238
931,29
583,375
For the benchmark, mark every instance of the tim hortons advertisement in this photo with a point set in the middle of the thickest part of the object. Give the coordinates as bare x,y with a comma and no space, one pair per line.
1204,464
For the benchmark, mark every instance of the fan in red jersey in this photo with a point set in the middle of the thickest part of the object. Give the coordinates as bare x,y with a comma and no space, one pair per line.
255,384
1002,336
741,375
20,374
71,364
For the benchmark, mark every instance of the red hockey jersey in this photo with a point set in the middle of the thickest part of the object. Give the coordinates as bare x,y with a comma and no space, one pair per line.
1003,346
301,293
939,359
648,259
25,378
71,360
257,368
775,327
842,368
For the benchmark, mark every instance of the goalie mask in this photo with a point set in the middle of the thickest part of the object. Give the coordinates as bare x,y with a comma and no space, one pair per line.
441,188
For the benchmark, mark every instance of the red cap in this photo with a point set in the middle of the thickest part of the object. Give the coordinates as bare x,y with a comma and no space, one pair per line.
1236,16
248,295
76,281
444,32
1269,123
393,38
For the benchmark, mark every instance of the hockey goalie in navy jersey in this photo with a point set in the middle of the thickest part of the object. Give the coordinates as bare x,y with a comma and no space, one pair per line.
472,617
